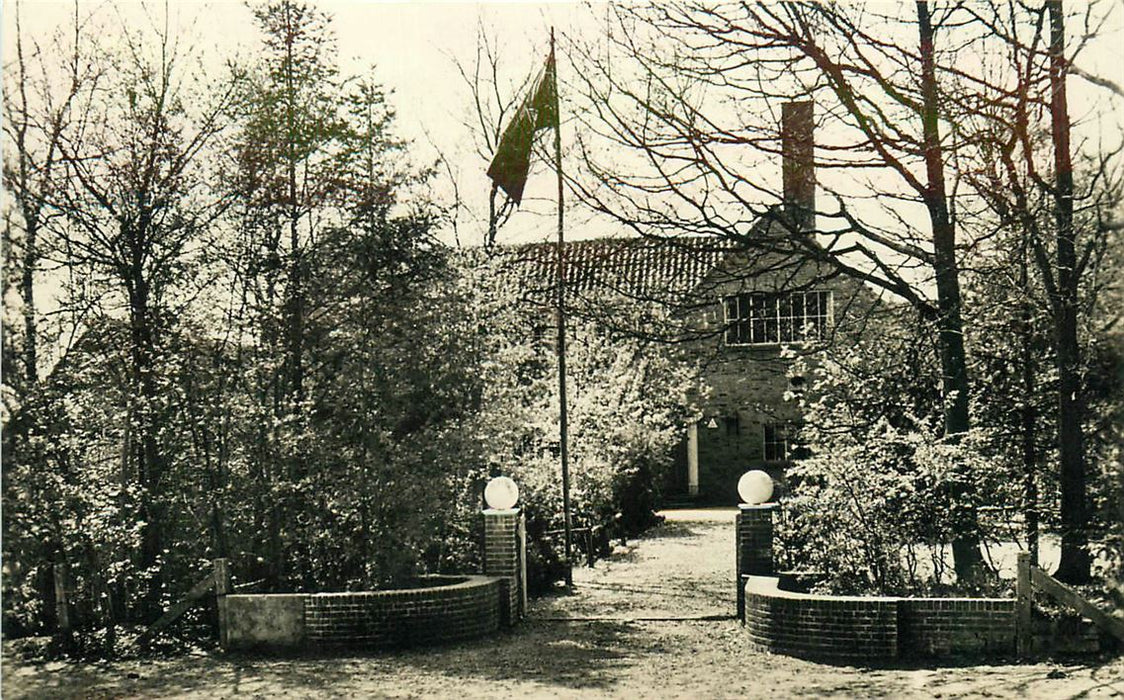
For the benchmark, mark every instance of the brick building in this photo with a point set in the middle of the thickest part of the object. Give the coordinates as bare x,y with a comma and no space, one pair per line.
740,311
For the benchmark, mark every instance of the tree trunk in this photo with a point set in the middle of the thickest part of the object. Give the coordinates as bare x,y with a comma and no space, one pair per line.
30,209
1029,416
1075,563
954,368
27,291
147,453
295,326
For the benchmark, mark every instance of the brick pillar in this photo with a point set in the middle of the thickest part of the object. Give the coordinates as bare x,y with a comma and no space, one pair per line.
505,556
754,546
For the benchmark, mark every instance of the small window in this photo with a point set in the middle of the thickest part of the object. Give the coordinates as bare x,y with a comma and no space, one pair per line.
732,426
783,443
776,442
756,318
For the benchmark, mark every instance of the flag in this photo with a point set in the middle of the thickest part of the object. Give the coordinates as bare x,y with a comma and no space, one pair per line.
513,155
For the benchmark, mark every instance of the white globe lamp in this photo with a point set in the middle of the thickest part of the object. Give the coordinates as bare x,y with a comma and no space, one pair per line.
755,487
501,493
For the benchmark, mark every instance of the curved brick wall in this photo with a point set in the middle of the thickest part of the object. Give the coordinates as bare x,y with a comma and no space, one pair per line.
465,609
944,626
821,627
847,628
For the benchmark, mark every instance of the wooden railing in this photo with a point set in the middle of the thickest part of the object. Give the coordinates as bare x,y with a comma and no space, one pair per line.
1029,579
588,535
218,580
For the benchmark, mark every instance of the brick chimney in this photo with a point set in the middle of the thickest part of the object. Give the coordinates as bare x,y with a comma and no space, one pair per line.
797,144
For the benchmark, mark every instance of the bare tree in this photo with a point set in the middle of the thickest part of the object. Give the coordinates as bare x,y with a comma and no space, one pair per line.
1027,178
1075,562
689,88
38,108
493,99
696,114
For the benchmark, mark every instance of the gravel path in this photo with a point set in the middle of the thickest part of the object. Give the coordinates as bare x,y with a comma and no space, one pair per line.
682,569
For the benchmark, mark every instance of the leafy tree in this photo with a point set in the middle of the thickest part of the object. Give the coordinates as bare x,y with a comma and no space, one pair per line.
347,326
875,502
628,400
68,495
1012,356
114,173
37,108
286,155
276,366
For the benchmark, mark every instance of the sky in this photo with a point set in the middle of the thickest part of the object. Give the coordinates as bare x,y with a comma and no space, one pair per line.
410,48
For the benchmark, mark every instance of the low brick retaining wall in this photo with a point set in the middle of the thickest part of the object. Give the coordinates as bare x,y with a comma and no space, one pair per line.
948,626
466,607
853,628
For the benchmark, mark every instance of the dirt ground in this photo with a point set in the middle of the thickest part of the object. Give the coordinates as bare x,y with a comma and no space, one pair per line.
653,621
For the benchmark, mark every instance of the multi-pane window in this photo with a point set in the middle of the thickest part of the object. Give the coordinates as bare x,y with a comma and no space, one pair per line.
759,318
776,442
782,442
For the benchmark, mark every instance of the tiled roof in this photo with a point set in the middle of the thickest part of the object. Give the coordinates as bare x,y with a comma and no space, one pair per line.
640,268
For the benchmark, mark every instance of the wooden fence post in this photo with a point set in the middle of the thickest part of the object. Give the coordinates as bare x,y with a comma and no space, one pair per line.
1023,600
222,589
104,595
222,577
62,606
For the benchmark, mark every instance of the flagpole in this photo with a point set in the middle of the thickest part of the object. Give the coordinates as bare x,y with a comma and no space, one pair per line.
563,427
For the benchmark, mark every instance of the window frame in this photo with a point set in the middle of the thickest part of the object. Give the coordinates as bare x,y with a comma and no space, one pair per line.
784,428
749,323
